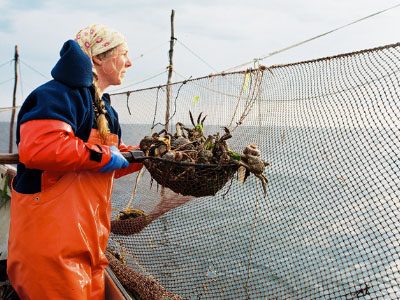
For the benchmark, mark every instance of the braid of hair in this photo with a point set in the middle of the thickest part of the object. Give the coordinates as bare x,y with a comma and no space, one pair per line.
100,111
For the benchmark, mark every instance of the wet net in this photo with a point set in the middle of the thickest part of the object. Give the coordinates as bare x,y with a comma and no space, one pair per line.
328,225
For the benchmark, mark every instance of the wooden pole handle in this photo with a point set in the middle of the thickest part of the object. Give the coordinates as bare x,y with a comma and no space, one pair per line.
9,158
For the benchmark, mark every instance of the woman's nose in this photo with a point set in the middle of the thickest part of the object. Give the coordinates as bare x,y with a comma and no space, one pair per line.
128,63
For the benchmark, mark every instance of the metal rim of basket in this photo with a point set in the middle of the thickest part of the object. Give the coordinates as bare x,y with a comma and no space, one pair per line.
183,163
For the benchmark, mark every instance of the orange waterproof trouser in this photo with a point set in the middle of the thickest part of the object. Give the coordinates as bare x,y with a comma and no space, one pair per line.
58,238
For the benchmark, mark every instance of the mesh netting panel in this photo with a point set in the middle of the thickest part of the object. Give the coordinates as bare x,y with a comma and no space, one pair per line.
328,226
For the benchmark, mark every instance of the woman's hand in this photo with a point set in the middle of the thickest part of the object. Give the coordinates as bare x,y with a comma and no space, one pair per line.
116,162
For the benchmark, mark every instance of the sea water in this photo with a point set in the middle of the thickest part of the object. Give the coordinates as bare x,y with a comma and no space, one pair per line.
328,227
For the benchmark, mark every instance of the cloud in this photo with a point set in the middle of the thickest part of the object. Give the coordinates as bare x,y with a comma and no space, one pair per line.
5,24
222,33
26,5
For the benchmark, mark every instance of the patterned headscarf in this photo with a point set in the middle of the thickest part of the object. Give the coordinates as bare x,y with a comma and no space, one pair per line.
96,39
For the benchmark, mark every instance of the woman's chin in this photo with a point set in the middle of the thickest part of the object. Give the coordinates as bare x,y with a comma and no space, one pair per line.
118,82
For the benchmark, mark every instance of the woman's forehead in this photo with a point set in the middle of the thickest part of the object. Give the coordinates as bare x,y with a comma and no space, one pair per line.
122,47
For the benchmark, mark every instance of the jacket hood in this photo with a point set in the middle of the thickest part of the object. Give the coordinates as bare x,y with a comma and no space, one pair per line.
74,68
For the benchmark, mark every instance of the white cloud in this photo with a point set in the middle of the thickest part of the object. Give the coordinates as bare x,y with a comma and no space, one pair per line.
223,33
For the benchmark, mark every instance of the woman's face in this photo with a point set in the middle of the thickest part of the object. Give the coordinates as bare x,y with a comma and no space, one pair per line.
112,69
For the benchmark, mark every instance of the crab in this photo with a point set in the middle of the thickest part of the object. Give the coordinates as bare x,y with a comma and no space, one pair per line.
156,144
147,142
253,163
220,149
179,139
130,213
177,156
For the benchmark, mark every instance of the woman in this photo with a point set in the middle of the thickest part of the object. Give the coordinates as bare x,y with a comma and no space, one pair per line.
69,143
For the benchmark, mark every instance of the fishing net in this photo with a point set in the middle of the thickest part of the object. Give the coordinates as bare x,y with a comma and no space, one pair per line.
136,284
327,227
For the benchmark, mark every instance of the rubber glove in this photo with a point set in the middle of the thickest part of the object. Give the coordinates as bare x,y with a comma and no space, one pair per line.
117,161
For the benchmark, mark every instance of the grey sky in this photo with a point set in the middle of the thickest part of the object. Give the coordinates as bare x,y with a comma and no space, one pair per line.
223,33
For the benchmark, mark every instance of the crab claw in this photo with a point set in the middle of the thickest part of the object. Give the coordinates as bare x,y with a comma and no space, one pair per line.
202,121
264,182
227,134
199,118
191,118
243,173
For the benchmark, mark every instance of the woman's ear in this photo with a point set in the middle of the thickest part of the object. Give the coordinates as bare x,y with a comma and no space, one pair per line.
97,60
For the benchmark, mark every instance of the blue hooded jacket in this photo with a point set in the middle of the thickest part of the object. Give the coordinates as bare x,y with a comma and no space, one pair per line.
68,98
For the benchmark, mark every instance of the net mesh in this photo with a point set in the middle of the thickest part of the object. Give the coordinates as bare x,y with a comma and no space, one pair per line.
328,224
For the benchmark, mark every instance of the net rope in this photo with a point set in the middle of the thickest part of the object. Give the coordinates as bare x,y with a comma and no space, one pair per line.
328,226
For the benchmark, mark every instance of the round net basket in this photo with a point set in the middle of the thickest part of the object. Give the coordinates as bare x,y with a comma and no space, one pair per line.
190,179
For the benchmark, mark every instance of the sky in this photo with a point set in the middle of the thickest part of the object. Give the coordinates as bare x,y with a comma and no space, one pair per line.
212,35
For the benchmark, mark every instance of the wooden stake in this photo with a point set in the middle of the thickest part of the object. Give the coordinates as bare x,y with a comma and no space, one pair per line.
169,92
170,69
16,56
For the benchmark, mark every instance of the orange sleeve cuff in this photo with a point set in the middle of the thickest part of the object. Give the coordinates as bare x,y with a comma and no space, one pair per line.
133,167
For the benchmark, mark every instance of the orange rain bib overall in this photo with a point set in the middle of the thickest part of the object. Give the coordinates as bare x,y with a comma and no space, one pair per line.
58,236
